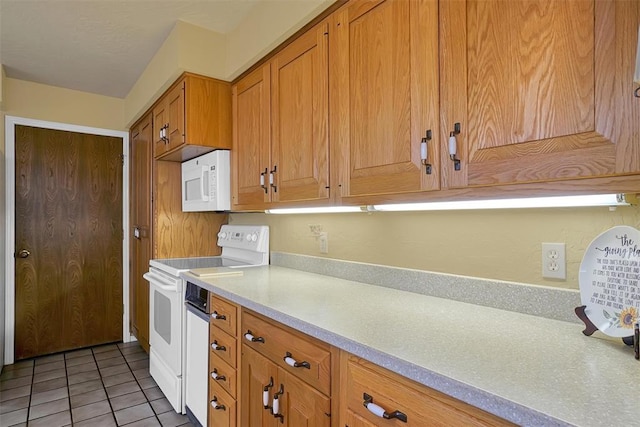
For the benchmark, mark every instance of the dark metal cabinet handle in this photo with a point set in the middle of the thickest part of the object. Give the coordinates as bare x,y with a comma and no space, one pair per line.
217,316
249,337
265,394
217,377
217,347
379,410
276,404
453,146
289,360
217,406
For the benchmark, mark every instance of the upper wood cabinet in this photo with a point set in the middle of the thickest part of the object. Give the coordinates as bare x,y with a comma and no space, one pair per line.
281,126
251,139
542,90
384,65
192,118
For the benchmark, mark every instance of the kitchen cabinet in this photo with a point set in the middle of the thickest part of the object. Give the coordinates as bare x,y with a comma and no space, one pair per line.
285,376
542,90
193,117
281,139
140,223
384,91
370,391
223,361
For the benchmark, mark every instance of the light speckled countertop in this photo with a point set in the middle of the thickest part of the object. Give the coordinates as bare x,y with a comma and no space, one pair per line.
530,370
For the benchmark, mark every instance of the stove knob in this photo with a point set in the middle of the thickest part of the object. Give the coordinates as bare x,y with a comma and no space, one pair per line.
248,237
222,235
254,237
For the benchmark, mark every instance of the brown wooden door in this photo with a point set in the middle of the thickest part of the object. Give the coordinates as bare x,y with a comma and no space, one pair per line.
69,217
140,231
300,110
542,89
251,106
385,95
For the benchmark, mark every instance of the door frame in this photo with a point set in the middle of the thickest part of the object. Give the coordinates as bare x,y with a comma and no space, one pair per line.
10,123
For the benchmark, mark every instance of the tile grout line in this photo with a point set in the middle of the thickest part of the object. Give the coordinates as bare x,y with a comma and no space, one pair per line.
104,387
140,385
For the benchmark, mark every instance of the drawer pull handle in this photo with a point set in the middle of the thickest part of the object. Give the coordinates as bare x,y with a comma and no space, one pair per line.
292,362
217,316
379,410
216,346
249,337
217,377
276,404
217,406
265,394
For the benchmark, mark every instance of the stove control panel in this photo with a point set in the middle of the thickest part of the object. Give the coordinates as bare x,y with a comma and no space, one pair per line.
248,237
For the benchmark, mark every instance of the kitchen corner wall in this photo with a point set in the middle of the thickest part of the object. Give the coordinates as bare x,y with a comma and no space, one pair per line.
3,217
493,244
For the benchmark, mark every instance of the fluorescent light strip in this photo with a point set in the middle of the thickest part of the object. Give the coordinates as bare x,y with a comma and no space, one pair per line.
534,202
325,209
611,200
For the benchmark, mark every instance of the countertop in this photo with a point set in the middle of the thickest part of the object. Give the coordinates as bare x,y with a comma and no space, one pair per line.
530,370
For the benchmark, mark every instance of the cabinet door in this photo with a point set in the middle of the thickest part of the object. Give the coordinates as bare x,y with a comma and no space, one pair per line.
257,373
160,122
140,202
176,115
542,89
385,95
301,404
251,104
300,109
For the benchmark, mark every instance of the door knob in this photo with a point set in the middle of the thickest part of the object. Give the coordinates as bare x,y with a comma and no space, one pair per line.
24,253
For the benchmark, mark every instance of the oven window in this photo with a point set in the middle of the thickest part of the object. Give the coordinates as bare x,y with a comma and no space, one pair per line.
162,316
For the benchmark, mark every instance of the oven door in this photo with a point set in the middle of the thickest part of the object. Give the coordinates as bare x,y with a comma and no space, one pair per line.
165,334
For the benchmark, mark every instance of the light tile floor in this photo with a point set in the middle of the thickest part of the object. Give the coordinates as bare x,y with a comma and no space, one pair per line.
107,385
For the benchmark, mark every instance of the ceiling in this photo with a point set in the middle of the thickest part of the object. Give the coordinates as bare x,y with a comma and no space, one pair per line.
99,46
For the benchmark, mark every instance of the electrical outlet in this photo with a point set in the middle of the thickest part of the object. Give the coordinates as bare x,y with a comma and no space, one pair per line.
323,238
554,263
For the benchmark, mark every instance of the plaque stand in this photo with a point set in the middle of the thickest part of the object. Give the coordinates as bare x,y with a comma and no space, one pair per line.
590,328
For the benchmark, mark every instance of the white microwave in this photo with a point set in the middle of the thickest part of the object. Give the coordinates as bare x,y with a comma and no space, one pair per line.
206,183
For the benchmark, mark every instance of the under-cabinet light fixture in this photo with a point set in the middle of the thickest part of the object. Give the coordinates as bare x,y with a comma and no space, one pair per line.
318,210
611,200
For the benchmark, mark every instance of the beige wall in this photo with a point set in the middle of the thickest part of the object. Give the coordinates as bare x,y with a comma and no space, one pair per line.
42,102
267,25
187,48
498,244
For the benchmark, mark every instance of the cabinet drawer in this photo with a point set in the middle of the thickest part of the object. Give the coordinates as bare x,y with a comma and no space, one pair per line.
224,346
421,405
222,407
276,343
224,315
222,373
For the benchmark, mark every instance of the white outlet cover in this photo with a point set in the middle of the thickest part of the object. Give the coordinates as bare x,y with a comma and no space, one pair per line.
554,262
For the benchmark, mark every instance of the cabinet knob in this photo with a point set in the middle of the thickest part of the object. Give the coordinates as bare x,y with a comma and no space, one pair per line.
217,377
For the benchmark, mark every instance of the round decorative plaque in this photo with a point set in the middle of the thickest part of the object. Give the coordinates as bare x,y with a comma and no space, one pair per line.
610,281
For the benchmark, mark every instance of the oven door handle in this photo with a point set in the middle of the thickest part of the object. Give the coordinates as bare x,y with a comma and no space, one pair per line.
160,283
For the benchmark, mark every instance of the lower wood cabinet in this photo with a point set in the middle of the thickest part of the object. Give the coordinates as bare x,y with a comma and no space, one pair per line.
270,375
273,397
370,394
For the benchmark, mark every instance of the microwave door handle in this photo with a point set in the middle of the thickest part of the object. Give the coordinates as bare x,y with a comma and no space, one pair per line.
204,174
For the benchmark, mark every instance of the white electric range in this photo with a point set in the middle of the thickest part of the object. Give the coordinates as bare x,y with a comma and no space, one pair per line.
243,246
